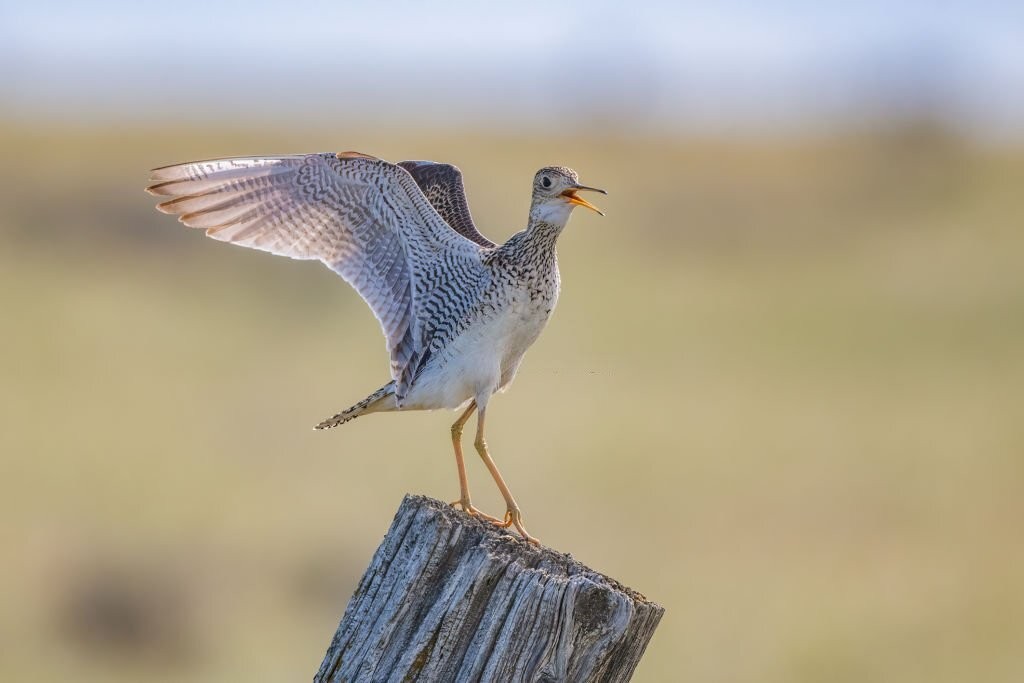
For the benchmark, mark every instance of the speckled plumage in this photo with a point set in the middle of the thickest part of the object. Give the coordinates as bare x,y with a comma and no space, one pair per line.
458,311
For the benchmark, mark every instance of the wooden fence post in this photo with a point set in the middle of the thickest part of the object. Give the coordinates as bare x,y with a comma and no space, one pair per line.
450,598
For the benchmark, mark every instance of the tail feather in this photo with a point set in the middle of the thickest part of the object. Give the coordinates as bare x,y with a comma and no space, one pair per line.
370,404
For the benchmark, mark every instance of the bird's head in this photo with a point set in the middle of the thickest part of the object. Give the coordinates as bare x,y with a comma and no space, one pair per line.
555,193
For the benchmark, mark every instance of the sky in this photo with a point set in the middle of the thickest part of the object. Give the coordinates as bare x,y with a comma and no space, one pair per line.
726,65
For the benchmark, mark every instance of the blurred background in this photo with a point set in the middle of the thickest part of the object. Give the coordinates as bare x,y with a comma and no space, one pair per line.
782,394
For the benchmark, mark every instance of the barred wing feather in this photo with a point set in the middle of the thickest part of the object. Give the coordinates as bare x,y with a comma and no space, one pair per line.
364,218
443,187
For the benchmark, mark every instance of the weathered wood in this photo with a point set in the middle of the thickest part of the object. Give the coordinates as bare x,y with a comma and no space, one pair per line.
450,598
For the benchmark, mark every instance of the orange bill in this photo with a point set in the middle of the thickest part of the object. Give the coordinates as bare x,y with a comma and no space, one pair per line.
574,198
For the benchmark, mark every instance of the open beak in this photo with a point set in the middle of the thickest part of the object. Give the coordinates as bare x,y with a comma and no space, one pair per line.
573,198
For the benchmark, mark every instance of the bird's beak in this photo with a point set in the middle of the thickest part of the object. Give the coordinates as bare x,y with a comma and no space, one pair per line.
571,196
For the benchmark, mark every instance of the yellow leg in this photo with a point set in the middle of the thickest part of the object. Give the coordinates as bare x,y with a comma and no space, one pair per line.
464,500
513,517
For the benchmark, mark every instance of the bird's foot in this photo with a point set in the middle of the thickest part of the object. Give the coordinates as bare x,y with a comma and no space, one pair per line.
468,508
513,517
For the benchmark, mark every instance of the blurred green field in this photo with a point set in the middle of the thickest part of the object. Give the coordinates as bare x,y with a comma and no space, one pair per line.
782,396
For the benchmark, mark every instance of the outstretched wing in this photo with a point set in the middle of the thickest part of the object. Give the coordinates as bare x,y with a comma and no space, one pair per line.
365,218
442,185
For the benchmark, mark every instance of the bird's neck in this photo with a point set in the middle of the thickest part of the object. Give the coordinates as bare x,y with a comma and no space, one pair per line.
547,220
541,236
533,247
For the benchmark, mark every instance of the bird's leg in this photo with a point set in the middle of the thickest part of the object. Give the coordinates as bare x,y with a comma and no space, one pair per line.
460,462
464,501
513,516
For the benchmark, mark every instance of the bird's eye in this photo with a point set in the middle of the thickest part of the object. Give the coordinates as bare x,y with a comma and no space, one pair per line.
546,182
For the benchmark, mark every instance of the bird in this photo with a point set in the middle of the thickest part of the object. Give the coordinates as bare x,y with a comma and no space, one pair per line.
457,310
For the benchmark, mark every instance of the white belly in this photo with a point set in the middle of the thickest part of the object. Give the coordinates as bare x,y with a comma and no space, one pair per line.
480,361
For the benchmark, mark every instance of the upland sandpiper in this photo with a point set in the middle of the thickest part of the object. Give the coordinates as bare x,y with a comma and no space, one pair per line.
458,311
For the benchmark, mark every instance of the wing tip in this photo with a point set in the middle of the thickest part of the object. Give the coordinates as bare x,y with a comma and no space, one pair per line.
168,173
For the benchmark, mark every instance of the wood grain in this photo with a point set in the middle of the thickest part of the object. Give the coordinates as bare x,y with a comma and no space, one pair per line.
449,598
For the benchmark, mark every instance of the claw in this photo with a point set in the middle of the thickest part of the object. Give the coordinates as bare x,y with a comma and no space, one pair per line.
513,517
468,508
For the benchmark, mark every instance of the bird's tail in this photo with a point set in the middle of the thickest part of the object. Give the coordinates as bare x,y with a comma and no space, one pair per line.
378,400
